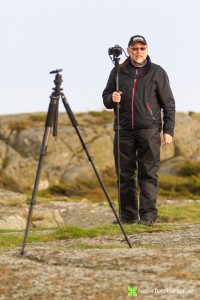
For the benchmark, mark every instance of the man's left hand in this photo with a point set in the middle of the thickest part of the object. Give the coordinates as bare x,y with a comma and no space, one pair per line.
167,138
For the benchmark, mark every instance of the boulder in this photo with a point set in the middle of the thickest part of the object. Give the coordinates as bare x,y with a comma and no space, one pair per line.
13,222
21,138
46,218
9,198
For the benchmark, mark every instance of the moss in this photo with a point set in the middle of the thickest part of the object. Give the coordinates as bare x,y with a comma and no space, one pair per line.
182,187
177,150
103,116
20,125
95,118
38,117
194,115
189,168
66,190
5,162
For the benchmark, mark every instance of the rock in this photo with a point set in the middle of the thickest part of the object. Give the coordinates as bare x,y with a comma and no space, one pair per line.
21,138
187,135
13,222
167,151
77,172
84,214
46,218
101,148
162,265
9,198
169,167
43,185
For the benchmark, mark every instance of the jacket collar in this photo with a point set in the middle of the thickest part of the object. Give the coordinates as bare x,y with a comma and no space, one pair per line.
128,68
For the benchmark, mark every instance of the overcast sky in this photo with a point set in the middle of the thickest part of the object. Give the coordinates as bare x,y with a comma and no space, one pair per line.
38,36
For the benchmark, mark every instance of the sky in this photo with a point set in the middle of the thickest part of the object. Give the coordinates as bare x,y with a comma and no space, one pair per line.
38,36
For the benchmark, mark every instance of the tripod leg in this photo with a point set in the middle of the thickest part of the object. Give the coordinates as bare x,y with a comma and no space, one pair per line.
43,150
74,123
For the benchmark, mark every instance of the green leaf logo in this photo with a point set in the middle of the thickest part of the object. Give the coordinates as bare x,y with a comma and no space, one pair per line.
132,291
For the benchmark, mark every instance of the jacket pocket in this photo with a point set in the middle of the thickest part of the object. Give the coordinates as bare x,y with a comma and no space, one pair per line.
150,110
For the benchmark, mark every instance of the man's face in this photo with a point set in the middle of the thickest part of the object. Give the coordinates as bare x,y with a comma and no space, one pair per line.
138,52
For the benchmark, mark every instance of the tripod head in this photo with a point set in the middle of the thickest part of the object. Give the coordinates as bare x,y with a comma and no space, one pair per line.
56,71
58,81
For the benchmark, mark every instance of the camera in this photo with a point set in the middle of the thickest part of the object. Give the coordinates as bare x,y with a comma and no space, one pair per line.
115,51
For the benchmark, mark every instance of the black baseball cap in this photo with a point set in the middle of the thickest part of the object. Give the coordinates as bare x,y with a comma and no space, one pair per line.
137,38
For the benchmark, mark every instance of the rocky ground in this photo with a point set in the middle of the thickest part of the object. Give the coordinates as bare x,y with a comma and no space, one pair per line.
160,265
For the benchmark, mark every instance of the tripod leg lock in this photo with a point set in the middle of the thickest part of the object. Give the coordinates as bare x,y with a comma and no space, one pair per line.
43,150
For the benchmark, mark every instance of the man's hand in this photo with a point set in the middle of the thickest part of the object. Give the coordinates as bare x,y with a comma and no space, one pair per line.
116,96
167,138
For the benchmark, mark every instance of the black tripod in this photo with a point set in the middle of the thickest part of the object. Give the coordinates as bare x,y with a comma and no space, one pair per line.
116,51
116,60
52,120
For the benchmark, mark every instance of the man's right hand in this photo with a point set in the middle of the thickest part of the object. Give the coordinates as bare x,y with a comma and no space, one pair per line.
116,96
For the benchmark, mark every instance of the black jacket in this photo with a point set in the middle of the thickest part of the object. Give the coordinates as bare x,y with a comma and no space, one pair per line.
145,92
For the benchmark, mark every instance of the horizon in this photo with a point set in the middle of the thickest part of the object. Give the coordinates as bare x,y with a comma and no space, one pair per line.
87,112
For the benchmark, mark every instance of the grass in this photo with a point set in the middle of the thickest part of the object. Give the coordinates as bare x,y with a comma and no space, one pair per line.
183,214
95,118
92,246
189,168
15,239
176,187
167,214
171,214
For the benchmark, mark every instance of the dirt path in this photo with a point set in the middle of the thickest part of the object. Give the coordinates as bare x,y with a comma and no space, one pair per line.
162,265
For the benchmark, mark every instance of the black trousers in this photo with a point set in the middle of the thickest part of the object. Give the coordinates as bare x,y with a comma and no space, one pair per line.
139,163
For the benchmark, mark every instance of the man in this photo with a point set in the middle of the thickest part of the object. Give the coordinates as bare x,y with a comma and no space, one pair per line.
144,92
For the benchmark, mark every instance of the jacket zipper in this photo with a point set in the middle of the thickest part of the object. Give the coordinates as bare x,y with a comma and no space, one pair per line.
133,98
149,107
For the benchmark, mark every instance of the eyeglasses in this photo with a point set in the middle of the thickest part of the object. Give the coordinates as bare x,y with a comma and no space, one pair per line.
138,48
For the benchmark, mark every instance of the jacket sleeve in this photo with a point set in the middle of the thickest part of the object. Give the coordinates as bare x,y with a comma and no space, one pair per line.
110,88
167,102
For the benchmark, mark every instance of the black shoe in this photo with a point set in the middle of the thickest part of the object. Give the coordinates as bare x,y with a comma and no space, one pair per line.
123,221
146,222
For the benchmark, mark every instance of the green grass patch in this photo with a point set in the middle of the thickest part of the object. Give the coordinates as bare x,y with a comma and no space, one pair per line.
183,214
189,168
109,246
92,246
179,187
12,240
186,185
